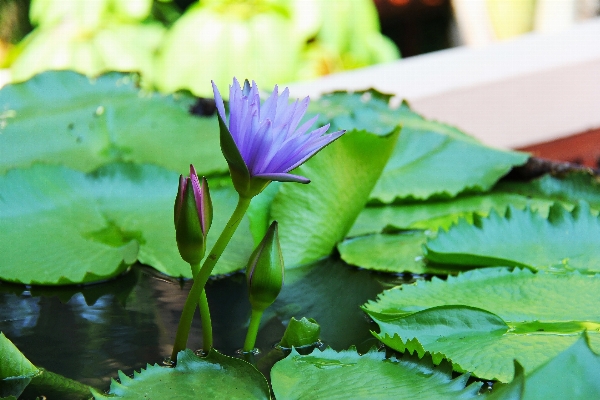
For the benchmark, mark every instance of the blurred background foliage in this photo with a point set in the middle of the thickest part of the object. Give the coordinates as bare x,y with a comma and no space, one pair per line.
183,44
175,45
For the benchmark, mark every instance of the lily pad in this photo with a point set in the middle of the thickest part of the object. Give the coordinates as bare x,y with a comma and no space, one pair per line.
63,118
400,252
14,363
313,218
573,374
86,228
213,376
570,188
483,319
348,375
434,215
418,168
524,238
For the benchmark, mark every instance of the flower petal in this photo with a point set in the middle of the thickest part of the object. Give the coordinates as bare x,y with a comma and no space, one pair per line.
283,177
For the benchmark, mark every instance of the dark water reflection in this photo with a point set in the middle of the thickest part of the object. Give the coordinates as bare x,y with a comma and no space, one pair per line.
88,333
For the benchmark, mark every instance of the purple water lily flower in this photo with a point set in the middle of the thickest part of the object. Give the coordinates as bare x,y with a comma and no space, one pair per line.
262,142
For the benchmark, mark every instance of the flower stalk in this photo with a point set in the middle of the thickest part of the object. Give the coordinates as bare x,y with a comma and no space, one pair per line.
200,279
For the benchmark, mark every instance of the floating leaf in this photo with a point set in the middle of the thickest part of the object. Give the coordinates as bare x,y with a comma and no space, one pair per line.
347,375
373,111
65,118
418,167
313,218
86,228
570,188
14,364
483,319
573,374
438,214
523,238
401,252
213,376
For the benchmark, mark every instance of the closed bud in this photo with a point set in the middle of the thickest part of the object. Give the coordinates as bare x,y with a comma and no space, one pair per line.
264,272
192,217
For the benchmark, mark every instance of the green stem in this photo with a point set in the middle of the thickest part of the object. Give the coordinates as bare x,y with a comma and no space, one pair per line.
207,338
200,279
255,318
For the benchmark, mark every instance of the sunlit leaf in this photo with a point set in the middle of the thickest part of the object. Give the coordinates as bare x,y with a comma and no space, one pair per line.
214,376
524,238
348,375
313,218
67,119
419,165
483,319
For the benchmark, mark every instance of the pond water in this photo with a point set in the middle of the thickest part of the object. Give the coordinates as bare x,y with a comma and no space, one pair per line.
88,333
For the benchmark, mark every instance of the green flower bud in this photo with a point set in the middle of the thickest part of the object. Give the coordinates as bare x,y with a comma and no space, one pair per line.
264,272
192,217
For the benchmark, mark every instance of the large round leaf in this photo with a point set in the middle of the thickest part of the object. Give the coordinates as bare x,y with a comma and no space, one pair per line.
436,214
348,375
212,377
524,238
59,226
400,252
67,119
418,167
483,319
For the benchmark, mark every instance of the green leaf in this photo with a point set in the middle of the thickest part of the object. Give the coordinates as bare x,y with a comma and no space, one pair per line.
14,364
213,376
140,199
67,119
86,228
373,111
418,167
347,375
570,188
313,218
19,376
402,252
442,214
16,370
303,332
524,238
51,232
504,315
573,374
513,390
